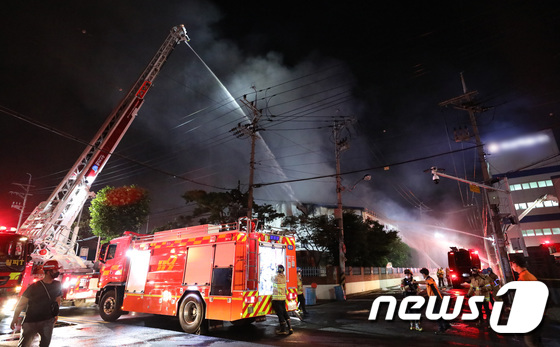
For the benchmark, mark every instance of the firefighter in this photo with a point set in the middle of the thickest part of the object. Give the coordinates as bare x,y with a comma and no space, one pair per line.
480,286
519,265
300,296
440,274
432,290
448,277
279,301
409,287
495,285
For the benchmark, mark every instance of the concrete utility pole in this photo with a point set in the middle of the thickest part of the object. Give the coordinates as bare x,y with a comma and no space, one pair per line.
340,145
250,130
465,102
24,195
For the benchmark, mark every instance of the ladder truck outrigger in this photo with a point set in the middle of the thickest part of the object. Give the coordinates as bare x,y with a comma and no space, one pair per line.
199,273
50,225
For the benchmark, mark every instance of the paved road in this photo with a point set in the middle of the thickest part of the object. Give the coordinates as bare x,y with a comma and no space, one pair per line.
328,324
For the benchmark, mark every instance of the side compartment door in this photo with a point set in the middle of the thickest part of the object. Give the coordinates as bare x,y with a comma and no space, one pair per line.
220,300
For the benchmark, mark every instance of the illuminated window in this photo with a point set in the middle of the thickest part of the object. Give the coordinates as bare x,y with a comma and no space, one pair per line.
549,183
523,232
522,205
547,231
556,231
542,184
548,203
538,232
526,186
533,185
516,187
517,206
530,232
539,205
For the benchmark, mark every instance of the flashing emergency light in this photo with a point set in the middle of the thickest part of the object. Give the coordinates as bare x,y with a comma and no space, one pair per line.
2,228
43,252
453,276
274,238
546,242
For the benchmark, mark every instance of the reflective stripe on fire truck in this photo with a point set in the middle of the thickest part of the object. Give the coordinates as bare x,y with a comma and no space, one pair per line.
259,308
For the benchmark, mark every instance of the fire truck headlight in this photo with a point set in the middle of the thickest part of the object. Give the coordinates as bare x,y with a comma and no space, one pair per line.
17,289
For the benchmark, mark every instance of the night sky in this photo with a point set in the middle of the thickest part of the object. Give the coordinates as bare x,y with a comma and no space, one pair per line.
387,65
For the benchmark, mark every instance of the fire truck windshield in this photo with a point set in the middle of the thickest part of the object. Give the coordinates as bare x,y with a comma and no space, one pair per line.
12,253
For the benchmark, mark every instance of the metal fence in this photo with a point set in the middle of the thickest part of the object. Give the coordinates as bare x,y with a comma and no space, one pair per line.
356,271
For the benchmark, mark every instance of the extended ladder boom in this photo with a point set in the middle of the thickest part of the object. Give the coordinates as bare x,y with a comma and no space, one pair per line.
50,223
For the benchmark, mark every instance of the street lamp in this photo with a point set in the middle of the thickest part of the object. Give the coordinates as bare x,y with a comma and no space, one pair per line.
338,215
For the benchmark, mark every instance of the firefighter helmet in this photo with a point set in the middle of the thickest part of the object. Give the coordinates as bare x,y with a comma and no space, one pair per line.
407,272
298,269
280,268
51,265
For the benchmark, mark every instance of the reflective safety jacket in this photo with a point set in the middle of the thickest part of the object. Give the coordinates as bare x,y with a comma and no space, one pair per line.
440,273
480,286
409,286
299,285
279,287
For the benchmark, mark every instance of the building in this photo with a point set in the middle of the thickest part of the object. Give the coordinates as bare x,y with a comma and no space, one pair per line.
529,167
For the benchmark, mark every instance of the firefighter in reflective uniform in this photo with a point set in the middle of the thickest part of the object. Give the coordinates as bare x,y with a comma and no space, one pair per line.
440,274
495,284
480,286
409,286
300,296
279,301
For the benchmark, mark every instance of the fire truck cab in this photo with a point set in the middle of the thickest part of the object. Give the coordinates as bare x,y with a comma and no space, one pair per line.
200,273
14,253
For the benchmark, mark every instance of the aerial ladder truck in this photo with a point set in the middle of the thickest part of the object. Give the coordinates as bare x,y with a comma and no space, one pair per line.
50,225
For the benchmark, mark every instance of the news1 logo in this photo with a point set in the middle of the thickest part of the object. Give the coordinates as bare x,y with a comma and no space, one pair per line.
526,313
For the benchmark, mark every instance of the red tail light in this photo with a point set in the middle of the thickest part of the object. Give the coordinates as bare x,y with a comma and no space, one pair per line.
250,299
453,276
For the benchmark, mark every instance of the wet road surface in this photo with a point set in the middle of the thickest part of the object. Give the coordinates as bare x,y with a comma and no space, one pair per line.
332,323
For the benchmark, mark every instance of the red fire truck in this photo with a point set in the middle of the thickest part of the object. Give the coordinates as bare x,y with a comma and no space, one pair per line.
461,261
200,273
14,253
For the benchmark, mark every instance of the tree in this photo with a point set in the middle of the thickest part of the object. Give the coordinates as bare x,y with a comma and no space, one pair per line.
116,210
265,213
220,208
226,207
315,234
367,243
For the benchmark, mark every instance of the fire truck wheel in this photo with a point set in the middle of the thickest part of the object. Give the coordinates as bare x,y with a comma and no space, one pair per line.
109,310
191,314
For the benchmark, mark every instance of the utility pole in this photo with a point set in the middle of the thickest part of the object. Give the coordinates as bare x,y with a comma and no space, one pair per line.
340,145
465,102
24,195
250,130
